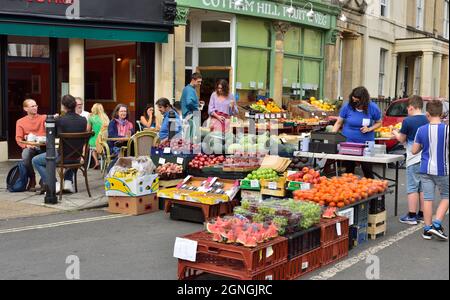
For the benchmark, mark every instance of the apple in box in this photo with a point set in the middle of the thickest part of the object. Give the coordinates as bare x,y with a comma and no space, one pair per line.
307,175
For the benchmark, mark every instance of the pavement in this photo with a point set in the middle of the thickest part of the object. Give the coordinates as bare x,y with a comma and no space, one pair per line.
122,247
25,204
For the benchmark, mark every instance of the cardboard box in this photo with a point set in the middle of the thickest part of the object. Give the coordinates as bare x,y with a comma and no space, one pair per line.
134,206
139,186
231,188
131,186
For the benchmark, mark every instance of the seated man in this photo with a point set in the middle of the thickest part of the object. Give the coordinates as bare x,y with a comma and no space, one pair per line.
33,123
71,122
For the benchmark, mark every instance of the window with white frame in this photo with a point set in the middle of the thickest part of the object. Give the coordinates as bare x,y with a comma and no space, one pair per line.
446,22
417,75
209,41
382,72
384,8
419,14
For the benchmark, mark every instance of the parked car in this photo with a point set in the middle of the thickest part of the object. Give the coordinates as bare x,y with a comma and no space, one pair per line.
398,111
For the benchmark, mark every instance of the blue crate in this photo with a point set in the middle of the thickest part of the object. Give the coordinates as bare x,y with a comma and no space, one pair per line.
358,235
361,216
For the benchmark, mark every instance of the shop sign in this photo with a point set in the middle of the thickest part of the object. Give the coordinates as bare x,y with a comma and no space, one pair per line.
262,9
119,11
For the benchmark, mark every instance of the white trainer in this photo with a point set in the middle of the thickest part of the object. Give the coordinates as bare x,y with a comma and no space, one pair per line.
68,186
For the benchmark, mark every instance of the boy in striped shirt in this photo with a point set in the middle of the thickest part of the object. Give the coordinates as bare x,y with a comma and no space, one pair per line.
433,140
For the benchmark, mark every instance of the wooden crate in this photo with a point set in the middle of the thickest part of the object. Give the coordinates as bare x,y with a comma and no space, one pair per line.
377,225
134,206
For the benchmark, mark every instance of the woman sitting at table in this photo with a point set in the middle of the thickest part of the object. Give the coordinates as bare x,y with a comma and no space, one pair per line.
119,127
360,117
148,120
221,107
97,120
166,109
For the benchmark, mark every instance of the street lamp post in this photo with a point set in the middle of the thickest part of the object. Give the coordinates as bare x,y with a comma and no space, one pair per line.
50,196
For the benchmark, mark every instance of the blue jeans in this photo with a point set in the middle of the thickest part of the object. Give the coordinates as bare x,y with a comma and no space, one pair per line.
429,183
40,164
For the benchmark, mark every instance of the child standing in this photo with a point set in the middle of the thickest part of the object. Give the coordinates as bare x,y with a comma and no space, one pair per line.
433,140
407,133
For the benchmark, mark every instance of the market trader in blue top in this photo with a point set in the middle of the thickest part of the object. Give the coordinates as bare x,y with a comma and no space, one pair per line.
165,108
190,105
360,117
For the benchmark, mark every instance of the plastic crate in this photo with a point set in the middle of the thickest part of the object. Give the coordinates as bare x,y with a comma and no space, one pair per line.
361,214
197,212
363,236
329,233
352,237
377,205
304,264
191,271
303,241
239,259
335,251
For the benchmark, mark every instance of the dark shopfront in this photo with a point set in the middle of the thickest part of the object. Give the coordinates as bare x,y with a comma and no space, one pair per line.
44,45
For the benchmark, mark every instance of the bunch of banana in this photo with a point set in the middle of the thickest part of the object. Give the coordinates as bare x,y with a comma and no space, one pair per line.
131,173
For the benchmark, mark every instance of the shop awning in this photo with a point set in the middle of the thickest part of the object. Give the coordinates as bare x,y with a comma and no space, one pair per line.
84,32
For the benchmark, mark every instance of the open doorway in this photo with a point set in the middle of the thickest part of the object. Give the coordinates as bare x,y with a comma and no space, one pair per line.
211,75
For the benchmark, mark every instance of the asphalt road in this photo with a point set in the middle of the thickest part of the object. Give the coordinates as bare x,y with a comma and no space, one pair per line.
116,247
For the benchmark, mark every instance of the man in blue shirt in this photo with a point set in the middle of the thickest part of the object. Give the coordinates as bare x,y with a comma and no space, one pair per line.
166,109
407,133
190,104
433,140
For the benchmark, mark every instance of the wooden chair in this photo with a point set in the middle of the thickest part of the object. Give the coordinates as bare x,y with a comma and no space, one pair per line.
102,148
73,154
141,143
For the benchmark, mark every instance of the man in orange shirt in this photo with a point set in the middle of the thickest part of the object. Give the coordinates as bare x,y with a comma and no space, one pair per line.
32,123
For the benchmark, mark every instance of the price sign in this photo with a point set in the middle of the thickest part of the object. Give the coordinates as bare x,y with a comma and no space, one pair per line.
167,150
185,249
338,229
254,183
180,160
278,116
162,161
273,186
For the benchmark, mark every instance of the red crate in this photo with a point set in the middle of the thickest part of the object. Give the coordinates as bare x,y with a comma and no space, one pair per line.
329,230
237,257
304,264
335,251
191,271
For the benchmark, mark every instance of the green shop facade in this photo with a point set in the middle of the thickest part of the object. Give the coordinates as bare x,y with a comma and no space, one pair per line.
260,48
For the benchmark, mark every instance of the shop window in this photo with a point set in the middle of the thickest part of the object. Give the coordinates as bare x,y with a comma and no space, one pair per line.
253,67
253,55
253,33
215,31
189,57
100,78
188,32
63,70
291,77
29,47
312,42
292,41
311,79
214,57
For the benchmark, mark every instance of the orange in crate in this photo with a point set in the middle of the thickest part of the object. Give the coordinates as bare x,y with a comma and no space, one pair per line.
134,206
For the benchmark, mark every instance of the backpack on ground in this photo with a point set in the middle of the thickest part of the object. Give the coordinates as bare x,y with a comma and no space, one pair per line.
17,179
